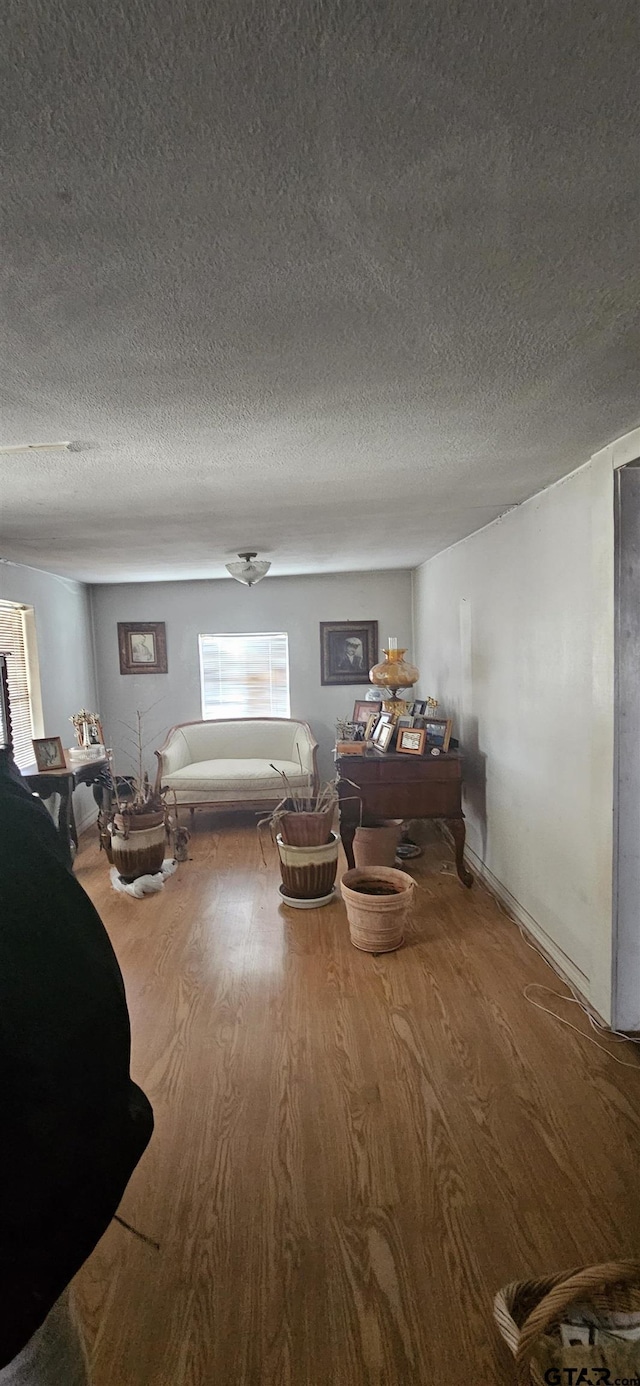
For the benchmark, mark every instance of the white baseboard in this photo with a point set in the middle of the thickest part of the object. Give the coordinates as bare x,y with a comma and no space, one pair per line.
563,965
88,820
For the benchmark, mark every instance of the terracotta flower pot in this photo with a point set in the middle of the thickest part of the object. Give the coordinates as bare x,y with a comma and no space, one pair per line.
377,845
306,829
378,900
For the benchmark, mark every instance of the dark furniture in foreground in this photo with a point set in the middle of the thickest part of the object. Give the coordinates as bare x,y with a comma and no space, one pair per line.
44,783
393,785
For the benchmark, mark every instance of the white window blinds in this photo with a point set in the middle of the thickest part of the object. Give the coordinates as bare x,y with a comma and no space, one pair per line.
13,645
244,675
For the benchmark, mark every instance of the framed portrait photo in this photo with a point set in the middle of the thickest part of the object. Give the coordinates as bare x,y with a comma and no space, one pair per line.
142,646
361,711
348,649
438,732
49,753
383,735
411,741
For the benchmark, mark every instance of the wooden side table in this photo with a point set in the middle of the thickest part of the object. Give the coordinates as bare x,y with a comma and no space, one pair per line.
393,785
45,783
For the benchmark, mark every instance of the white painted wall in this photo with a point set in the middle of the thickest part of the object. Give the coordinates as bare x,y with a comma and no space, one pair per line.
626,855
514,634
65,653
293,604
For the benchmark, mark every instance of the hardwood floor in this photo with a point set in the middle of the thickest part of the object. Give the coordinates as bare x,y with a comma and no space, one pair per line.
351,1153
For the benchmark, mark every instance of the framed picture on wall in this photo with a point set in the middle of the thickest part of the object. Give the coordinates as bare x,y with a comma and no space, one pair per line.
142,646
348,650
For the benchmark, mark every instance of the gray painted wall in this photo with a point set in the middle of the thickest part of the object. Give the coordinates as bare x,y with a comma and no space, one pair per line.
65,652
514,634
626,973
293,604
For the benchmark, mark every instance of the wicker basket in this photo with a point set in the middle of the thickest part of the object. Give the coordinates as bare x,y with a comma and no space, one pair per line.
528,1314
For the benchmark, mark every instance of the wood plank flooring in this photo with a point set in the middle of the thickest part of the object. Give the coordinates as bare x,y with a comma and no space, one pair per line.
351,1153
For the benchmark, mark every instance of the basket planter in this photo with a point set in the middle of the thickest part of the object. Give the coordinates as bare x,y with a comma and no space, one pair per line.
377,845
138,843
528,1314
378,900
308,873
306,829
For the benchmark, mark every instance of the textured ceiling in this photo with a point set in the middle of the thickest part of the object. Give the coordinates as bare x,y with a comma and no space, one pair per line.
339,282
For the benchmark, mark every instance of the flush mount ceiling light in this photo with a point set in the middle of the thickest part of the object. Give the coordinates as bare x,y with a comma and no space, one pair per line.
247,571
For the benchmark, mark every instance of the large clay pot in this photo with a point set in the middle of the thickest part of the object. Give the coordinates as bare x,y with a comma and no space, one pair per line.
138,844
306,829
308,873
378,900
377,845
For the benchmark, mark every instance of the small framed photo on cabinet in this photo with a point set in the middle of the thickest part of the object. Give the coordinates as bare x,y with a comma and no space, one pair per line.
411,741
438,732
383,735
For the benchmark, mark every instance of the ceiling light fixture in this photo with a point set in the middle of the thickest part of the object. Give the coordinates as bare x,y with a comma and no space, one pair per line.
247,571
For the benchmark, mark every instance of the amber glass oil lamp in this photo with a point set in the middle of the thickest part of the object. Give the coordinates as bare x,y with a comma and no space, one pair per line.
392,674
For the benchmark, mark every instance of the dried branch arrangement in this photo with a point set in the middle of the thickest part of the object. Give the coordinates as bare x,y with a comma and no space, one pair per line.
303,800
133,794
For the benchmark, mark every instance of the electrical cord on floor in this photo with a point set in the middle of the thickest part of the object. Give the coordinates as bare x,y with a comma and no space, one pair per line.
142,1236
575,1001
596,1024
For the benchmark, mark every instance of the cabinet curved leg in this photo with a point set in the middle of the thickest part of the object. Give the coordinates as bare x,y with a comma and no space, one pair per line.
457,829
347,834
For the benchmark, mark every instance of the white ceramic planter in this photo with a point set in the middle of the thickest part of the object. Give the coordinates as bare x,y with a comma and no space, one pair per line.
138,850
308,873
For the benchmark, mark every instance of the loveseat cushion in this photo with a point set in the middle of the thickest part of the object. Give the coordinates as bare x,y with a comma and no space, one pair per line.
246,776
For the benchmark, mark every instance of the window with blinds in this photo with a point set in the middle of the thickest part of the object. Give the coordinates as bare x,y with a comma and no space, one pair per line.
244,675
13,644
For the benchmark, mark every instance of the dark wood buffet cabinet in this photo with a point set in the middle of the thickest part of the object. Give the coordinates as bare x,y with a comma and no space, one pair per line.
394,785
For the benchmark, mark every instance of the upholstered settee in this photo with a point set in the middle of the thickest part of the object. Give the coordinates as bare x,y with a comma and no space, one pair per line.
229,764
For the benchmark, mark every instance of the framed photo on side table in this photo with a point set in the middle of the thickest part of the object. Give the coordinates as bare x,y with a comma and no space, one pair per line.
438,732
49,753
142,646
411,741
